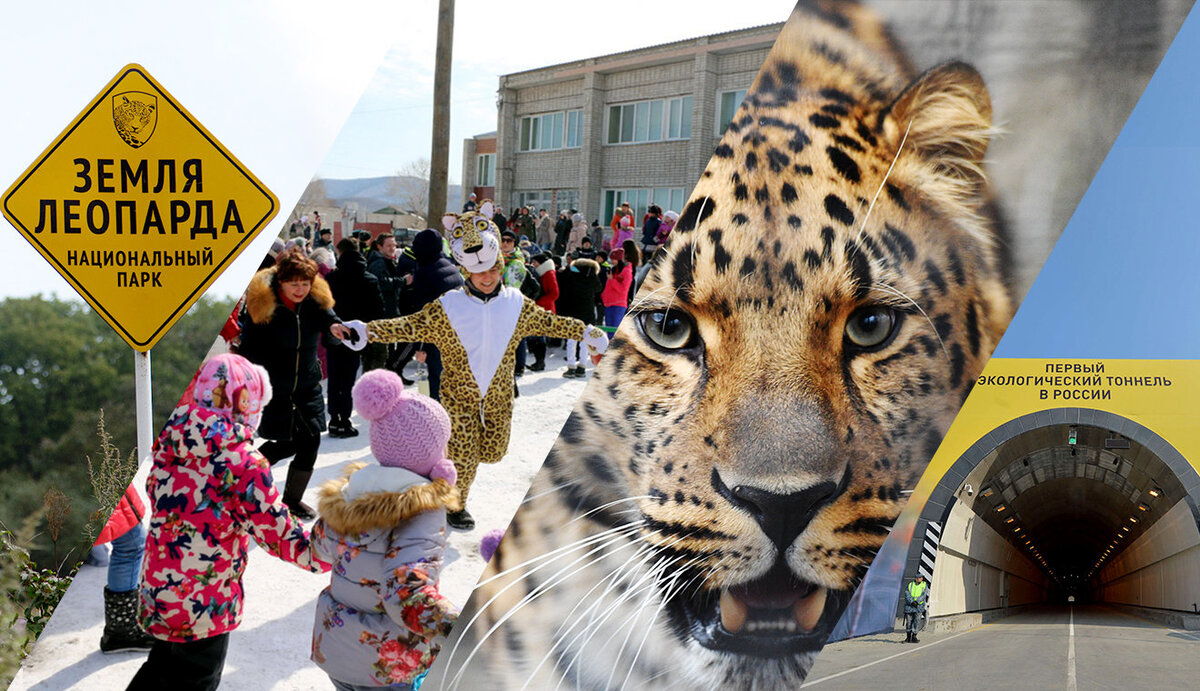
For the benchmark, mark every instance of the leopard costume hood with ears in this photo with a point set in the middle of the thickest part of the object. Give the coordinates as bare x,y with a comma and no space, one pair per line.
474,238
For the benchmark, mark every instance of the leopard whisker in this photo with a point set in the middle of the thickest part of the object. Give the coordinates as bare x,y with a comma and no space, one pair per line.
898,293
560,551
611,503
671,590
863,228
648,581
641,585
541,589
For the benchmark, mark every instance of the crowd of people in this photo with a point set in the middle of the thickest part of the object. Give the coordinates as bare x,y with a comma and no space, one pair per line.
464,303
587,272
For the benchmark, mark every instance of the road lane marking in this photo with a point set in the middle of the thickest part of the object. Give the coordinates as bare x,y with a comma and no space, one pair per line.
1071,686
890,657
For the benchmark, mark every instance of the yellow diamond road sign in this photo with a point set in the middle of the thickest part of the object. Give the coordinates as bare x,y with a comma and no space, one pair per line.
138,206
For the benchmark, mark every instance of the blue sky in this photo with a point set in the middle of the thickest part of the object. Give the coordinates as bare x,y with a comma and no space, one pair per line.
1124,279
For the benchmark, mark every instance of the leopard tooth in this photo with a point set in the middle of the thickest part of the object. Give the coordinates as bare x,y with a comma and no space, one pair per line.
733,612
808,610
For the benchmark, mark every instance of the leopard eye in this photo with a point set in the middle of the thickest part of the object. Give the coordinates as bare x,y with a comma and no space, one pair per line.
871,327
457,232
669,329
481,224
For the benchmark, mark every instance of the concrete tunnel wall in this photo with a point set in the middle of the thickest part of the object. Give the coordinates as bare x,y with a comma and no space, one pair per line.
1160,569
977,569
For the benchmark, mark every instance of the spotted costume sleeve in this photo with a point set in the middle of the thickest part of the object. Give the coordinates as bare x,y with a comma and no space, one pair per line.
413,328
536,321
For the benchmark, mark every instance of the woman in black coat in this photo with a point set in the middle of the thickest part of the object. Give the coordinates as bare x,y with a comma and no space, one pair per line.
288,308
578,289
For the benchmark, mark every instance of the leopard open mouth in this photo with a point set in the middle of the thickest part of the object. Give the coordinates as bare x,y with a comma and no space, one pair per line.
774,616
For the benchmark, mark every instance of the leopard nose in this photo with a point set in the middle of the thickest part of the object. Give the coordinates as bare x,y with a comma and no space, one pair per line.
783,516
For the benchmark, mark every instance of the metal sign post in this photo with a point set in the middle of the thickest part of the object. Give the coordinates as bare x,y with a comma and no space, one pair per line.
145,428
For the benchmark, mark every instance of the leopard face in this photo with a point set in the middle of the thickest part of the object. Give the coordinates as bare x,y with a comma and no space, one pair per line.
134,117
830,292
474,238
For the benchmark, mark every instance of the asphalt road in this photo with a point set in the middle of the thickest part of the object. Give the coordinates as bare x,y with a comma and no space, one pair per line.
1077,647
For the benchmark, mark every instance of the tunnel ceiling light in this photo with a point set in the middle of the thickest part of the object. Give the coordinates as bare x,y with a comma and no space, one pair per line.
1010,519
1124,529
986,492
1143,507
1133,519
1155,492
1000,508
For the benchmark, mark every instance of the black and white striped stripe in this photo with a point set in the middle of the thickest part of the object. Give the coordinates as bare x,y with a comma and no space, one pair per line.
933,535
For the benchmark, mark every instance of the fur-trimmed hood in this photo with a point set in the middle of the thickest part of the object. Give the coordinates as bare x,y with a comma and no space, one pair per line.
349,512
261,298
587,266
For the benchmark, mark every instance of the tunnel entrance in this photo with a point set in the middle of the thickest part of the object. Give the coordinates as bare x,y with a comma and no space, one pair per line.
1062,505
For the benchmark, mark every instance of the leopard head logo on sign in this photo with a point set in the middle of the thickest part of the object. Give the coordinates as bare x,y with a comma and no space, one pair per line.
135,115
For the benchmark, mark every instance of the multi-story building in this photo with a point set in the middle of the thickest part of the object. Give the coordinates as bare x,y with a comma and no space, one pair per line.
637,126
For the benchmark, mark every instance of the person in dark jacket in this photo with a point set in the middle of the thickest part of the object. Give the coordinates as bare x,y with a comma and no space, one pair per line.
578,289
288,308
384,263
499,218
650,229
355,296
562,233
435,276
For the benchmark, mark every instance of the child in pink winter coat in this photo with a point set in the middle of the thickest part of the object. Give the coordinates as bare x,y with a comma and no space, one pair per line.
383,526
209,491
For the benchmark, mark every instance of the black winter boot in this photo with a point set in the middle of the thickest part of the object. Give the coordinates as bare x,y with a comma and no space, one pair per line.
121,632
293,492
460,520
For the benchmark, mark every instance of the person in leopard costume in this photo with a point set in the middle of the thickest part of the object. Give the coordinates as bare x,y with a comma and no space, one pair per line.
477,328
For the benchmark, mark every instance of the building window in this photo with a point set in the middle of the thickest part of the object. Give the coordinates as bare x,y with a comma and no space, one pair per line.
552,201
640,199
485,170
650,121
562,130
727,105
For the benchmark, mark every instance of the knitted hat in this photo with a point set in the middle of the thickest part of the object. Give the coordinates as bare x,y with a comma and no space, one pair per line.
232,386
617,255
489,542
408,430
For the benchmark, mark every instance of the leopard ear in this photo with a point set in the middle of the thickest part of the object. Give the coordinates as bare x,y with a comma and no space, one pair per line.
487,209
943,120
448,221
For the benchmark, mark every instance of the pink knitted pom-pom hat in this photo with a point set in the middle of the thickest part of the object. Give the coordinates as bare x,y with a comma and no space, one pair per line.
408,430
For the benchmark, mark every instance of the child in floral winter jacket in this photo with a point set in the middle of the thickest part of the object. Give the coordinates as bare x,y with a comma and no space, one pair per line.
209,491
381,620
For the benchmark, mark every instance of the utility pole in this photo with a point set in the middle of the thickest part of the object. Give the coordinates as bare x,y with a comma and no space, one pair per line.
439,157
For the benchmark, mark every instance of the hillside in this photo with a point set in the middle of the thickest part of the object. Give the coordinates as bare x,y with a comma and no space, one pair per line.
401,191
